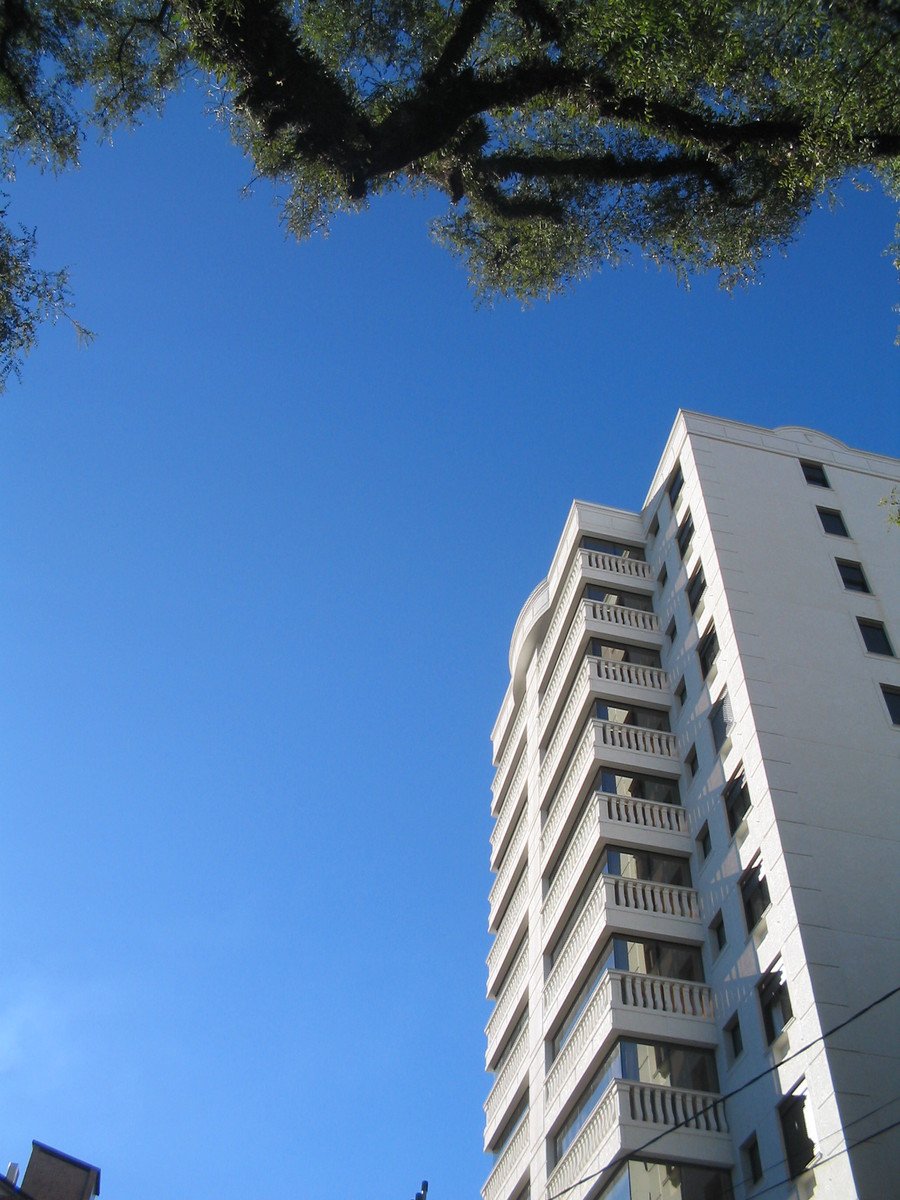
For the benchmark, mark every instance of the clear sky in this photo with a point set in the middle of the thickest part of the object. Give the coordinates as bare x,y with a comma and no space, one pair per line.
263,547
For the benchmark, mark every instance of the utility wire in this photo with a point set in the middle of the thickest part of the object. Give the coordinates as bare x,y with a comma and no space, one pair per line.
870,1137
735,1092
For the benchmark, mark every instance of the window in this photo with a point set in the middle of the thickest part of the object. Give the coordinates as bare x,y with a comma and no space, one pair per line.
620,652
814,473
691,762
696,588
832,522
638,787
717,937
736,799
603,546
672,630
875,637
852,576
751,1159
520,1112
704,842
707,650
681,692
799,1147
662,577
721,721
685,535
774,1003
631,714
892,700
754,895
676,483
654,526
615,596
733,1038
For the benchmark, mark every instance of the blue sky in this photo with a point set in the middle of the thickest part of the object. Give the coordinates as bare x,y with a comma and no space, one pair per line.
264,544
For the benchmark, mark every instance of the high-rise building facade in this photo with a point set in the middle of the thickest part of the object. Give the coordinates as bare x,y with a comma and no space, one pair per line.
696,811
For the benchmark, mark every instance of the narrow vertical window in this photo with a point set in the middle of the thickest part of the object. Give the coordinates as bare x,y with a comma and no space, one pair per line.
832,522
814,473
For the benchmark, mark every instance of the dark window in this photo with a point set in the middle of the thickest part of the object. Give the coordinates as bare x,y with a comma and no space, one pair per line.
752,1161
798,1145
647,865
852,575
620,652
676,483
691,761
720,722
672,630
681,692
638,787
696,588
717,933
663,576
631,714
754,895
707,650
735,1040
685,535
774,1003
892,700
814,473
654,527
736,798
619,549
614,596
875,637
704,842
832,522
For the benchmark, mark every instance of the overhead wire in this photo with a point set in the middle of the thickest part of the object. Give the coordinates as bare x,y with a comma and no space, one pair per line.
734,1092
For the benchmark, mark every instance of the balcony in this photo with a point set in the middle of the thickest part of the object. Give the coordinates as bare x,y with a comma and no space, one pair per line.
506,1086
508,813
595,619
589,566
626,1117
510,1167
512,860
508,757
627,683
511,926
509,1005
627,1004
633,907
623,821
632,747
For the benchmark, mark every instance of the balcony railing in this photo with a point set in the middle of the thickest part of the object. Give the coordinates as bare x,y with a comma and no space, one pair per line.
608,734
509,754
507,1001
509,929
613,564
507,1163
613,892
507,813
568,791
626,1101
671,998
509,1075
509,867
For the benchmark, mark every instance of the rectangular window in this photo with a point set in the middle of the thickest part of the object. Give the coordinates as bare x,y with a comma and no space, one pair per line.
691,762
754,895
704,843
892,700
631,714
621,652
736,799
721,721
751,1159
717,938
638,787
832,522
774,1003
696,588
707,650
672,630
654,526
733,1038
875,637
662,577
676,483
621,599
681,692
685,535
799,1148
619,549
814,473
852,576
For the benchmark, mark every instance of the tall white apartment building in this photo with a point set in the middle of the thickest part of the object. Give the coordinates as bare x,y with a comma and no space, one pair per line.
696,798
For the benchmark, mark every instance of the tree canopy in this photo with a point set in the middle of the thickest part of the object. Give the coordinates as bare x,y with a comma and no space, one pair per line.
564,133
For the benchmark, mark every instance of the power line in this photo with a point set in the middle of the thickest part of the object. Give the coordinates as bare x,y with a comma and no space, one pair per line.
870,1137
735,1092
